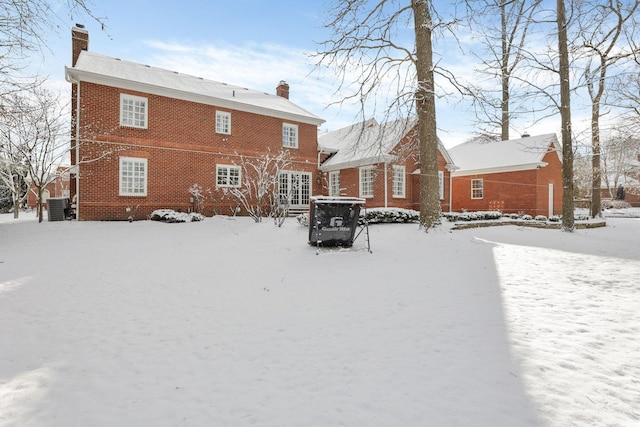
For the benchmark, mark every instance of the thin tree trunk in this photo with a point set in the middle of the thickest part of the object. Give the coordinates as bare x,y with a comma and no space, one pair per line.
596,184
505,76
426,109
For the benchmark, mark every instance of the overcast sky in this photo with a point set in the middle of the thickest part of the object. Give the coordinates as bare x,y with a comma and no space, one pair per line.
251,43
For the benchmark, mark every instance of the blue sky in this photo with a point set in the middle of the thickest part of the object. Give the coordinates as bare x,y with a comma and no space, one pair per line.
251,43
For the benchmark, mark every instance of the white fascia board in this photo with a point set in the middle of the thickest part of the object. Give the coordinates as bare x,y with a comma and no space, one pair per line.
370,161
101,79
514,168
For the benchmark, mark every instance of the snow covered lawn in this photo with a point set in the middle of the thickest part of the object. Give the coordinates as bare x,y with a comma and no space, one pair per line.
226,322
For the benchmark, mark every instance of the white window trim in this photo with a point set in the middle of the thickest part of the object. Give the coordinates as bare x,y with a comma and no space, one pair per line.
227,169
227,120
361,171
441,184
334,183
481,187
398,171
126,96
286,142
121,190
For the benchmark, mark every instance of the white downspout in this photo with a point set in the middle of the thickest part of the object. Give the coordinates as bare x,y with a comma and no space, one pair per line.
77,143
386,185
450,192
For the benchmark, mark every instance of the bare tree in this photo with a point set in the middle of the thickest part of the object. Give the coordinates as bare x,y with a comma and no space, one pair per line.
601,44
505,40
23,27
619,155
39,137
372,57
256,188
13,168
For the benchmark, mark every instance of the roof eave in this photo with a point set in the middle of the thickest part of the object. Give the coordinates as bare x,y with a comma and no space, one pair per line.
501,169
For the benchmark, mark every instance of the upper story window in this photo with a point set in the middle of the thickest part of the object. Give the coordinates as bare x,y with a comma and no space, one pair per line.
477,189
366,181
133,176
228,176
398,182
223,122
133,111
334,183
290,135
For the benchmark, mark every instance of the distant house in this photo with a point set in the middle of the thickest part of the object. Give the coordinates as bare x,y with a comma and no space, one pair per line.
380,163
625,185
143,136
58,187
521,175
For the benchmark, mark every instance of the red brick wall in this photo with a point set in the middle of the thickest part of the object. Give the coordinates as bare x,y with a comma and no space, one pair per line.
350,184
513,192
182,149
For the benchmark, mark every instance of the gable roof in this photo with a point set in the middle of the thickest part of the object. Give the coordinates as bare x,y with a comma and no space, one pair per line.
366,143
479,156
105,70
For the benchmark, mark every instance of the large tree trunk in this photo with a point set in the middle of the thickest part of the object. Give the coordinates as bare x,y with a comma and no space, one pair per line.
568,222
426,110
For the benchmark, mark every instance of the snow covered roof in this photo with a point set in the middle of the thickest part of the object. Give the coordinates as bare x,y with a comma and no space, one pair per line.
481,156
100,69
365,143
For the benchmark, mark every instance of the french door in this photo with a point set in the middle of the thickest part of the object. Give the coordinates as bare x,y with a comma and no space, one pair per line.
294,188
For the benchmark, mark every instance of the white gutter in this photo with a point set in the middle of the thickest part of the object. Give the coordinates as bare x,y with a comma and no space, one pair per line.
450,192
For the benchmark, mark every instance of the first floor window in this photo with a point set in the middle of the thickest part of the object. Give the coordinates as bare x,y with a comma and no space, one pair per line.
398,181
441,184
334,183
223,122
477,189
133,111
133,176
228,176
366,181
290,135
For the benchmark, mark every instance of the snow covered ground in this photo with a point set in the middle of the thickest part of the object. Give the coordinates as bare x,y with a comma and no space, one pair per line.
230,323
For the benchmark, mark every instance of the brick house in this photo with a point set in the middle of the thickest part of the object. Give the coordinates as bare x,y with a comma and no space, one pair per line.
521,175
143,136
380,163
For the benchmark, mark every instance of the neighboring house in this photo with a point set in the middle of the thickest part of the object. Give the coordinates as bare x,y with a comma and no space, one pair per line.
143,136
516,176
58,187
380,163
623,186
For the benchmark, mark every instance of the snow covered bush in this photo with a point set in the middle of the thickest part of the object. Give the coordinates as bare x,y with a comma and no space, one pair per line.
168,215
389,215
376,216
615,204
541,218
257,188
555,218
526,217
472,216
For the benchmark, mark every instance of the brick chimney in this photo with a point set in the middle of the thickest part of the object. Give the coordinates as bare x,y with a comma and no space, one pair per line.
283,89
79,42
